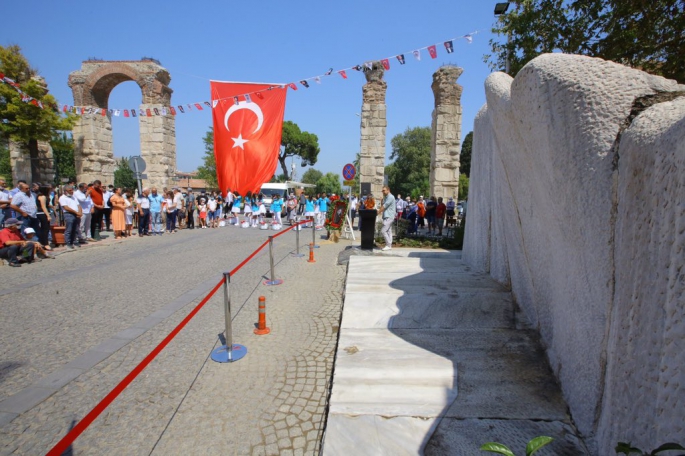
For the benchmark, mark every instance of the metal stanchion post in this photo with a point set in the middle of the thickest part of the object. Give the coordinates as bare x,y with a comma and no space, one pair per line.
230,352
274,280
314,235
297,239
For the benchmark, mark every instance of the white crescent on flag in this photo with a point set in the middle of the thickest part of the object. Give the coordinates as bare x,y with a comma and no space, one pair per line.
254,107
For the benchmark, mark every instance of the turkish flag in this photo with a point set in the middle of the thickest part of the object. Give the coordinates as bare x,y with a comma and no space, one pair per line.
247,135
433,51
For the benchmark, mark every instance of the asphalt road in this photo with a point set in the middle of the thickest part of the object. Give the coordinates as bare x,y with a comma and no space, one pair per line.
71,328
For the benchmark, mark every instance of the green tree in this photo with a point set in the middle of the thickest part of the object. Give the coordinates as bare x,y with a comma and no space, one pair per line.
465,157
409,173
207,171
5,165
463,187
295,142
646,35
25,122
312,176
124,176
330,183
63,153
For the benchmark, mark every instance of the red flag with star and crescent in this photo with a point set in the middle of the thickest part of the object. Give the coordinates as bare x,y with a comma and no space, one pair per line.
247,134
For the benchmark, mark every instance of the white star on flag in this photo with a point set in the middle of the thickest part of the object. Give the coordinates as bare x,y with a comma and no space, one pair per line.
239,141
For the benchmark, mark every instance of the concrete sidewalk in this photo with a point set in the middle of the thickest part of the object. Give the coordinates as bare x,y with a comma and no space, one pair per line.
435,357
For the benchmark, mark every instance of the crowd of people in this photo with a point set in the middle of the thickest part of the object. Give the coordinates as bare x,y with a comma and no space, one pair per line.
86,210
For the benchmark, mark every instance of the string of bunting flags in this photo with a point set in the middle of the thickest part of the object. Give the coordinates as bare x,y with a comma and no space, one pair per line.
26,98
199,106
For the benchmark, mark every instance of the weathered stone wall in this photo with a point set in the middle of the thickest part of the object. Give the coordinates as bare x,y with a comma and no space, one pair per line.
584,224
158,147
93,148
373,123
91,86
446,132
21,163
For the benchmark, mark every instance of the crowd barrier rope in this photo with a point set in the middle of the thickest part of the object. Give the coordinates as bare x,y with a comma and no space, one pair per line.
82,425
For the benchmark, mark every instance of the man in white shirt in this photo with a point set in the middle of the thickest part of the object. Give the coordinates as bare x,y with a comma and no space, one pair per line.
72,215
144,213
82,195
179,204
108,209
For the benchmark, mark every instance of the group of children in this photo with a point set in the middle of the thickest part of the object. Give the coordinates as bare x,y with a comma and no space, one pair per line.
254,210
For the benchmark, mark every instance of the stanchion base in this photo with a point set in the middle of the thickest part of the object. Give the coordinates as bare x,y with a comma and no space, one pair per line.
261,332
220,355
273,282
298,255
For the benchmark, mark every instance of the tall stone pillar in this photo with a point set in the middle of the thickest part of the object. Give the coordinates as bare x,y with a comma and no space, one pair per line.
158,147
373,123
93,149
446,132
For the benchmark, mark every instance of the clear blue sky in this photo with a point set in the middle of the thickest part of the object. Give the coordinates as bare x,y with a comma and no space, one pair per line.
261,41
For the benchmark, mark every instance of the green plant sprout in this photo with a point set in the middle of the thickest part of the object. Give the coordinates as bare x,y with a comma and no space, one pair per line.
627,449
533,446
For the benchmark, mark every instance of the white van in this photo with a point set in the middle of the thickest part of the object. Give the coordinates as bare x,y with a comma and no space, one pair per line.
283,189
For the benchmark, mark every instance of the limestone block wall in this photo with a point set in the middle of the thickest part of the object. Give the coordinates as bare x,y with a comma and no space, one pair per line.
158,147
20,161
646,353
93,148
550,179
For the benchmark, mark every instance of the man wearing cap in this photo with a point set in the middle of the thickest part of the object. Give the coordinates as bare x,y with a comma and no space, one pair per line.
12,245
72,216
38,248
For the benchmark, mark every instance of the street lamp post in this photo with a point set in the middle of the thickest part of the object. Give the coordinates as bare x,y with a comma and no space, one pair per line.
500,9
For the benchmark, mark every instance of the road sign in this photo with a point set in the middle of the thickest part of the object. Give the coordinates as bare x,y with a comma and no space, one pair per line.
137,164
348,183
349,172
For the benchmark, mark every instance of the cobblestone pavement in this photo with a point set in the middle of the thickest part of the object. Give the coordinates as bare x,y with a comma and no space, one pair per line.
73,327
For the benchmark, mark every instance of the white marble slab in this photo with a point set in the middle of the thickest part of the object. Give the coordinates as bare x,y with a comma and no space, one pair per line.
397,309
371,435
380,373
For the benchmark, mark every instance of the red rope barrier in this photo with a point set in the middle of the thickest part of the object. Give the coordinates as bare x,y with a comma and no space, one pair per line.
237,268
81,426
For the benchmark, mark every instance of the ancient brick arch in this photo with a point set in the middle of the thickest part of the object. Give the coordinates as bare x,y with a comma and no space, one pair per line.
91,86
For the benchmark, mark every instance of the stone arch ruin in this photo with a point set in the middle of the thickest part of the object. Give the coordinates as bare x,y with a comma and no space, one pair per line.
93,152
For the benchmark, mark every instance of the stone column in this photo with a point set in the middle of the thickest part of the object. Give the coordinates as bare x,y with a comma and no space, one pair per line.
158,147
93,149
446,132
373,123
